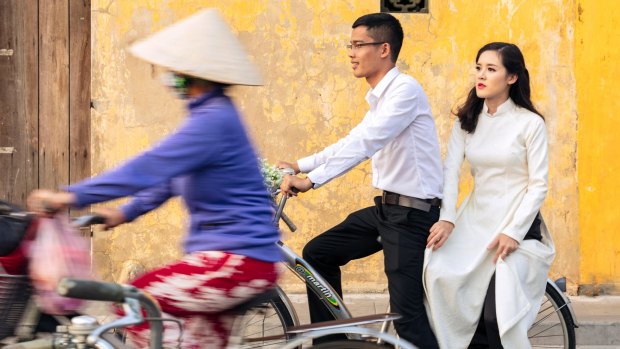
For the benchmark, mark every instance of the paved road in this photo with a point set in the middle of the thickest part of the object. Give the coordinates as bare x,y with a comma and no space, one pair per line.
598,317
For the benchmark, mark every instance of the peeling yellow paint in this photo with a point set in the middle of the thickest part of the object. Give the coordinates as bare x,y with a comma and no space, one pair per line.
311,99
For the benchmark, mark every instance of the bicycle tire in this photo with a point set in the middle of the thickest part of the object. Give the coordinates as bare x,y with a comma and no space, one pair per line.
554,326
266,320
349,344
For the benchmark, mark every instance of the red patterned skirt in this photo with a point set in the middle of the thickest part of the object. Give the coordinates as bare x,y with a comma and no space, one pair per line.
197,290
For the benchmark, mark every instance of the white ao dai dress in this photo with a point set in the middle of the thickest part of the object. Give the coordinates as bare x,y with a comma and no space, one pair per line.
508,158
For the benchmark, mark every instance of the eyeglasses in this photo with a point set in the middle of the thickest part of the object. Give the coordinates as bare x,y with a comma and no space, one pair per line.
357,45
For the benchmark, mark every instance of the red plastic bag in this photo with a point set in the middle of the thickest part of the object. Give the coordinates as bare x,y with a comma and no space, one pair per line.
58,251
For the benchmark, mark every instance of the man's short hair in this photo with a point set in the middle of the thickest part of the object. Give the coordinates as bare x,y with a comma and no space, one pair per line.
383,27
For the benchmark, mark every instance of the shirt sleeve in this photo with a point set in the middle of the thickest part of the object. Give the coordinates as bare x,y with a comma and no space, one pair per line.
394,116
452,170
195,144
538,171
146,200
313,161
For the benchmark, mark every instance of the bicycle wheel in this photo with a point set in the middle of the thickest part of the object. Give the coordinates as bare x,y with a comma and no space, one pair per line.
264,326
350,344
554,327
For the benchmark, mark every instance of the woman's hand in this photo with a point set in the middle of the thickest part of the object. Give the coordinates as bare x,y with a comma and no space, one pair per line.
113,216
284,164
505,246
45,202
439,234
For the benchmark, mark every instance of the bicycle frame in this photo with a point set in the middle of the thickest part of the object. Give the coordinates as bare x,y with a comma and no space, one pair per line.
323,290
316,283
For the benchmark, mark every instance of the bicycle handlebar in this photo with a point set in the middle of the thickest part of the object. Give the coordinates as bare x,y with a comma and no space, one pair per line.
95,290
126,294
281,215
90,219
289,223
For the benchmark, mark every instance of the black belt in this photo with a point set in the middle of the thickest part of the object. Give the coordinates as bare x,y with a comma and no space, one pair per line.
408,201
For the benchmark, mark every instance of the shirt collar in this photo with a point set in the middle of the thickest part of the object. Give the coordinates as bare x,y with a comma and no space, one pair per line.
376,93
504,108
197,101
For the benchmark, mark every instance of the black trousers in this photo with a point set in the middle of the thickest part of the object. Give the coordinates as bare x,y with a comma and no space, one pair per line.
403,232
487,332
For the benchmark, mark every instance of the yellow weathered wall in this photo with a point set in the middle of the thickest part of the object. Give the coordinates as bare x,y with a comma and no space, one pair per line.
597,60
311,99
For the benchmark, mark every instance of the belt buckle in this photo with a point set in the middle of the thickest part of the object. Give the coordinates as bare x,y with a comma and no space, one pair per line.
394,196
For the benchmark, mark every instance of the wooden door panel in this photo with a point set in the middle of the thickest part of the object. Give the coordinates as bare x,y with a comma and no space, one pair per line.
79,90
44,95
18,99
54,93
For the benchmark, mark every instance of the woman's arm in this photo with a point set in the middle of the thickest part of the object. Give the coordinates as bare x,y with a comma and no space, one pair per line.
452,170
146,200
196,144
538,171
441,230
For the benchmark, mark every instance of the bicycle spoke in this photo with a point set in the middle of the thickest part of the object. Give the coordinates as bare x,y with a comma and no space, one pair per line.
543,319
547,308
255,323
263,345
545,330
264,327
551,328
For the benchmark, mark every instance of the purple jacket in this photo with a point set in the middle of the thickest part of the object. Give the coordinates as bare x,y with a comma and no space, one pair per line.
211,163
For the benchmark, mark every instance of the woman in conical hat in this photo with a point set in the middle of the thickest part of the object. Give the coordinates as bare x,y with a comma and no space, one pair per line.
230,250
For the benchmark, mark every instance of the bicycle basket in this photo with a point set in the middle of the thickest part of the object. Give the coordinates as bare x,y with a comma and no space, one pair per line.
15,291
13,226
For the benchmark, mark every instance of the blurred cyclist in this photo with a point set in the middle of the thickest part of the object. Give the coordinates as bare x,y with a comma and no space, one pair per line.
210,162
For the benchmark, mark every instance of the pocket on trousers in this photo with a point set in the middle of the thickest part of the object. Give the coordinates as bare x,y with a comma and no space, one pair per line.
397,214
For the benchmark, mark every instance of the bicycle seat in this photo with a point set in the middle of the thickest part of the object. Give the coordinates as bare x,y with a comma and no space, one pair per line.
256,300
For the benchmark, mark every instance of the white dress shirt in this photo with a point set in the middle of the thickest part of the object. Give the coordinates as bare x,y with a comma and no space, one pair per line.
398,132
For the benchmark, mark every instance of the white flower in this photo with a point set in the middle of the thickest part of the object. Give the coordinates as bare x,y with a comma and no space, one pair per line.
272,175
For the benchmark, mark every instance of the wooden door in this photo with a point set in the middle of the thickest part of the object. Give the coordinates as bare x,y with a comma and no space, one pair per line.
44,95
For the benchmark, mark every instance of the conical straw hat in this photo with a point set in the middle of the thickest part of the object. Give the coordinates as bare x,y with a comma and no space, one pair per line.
202,46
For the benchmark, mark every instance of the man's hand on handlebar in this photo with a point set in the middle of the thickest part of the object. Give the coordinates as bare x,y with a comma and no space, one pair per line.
284,164
291,185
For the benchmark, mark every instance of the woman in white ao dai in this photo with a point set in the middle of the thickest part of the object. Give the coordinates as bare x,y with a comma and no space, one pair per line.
486,264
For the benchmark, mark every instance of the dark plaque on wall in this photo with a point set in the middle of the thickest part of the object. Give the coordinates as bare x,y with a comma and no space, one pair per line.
404,6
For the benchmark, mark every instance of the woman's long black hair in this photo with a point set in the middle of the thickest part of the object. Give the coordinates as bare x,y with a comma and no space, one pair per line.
513,60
